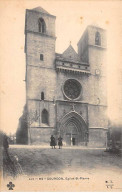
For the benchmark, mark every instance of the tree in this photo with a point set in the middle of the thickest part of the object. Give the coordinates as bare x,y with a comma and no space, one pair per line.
32,117
22,130
23,135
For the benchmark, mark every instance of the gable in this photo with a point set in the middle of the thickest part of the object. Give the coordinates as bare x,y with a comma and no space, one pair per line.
40,9
70,53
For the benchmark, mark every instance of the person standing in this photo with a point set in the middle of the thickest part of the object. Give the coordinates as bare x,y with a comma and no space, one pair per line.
60,142
52,142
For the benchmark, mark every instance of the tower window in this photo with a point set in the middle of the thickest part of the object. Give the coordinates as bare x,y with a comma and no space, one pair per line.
97,38
41,57
42,95
45,117
42,25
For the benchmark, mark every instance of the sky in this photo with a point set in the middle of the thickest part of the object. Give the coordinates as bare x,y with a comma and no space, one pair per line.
72,17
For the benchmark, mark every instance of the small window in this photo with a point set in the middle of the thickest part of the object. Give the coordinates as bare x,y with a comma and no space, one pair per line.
41,57
42,25
42,95
97,38
45,117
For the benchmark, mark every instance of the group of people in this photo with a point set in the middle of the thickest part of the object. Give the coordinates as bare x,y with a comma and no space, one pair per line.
53,142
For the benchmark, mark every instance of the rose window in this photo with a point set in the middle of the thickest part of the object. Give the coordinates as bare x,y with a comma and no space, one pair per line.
72,88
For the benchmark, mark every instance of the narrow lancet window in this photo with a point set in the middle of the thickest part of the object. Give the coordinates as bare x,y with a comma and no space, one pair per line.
45,117
42,95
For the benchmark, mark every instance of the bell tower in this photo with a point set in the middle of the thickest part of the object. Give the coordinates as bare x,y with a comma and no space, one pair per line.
92,49
40,75
40,50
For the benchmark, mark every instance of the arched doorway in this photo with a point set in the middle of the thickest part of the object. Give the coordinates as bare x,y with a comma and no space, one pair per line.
73,129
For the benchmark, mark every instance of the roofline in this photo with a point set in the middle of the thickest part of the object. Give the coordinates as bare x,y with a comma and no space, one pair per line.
68,48
58,53
91,25
31,10
82,35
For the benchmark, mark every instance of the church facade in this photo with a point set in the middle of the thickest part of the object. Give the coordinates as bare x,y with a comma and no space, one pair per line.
66,94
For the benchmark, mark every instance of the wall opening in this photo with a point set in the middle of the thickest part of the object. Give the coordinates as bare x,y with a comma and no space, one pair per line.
41,57
97,38
45,117
42,95
42,25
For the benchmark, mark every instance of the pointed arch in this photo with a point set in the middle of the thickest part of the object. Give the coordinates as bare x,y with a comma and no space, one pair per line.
75,115
42,25
97,38
73,124
45,117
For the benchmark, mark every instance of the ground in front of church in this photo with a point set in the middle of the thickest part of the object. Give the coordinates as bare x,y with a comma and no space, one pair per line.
37,160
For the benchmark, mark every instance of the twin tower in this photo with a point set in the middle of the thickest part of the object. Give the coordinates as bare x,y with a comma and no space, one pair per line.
65,93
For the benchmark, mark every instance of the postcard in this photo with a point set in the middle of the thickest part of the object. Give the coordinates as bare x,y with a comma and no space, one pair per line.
61,96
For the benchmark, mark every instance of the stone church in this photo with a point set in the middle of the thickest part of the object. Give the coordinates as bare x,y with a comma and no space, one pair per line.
66,94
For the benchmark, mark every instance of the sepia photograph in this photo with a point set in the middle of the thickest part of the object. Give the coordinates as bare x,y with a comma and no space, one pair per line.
61,96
